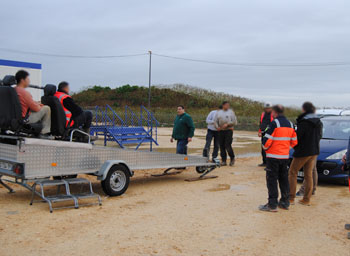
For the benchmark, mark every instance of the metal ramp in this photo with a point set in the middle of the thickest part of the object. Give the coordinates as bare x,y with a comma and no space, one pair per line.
62,197
131,129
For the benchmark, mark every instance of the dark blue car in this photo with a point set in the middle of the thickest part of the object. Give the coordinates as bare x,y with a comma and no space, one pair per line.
333,146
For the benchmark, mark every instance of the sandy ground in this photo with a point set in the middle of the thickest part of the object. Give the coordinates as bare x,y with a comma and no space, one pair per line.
169,216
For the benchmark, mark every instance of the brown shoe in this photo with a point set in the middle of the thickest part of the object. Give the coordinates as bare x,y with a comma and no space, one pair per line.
303,202
291,201
223,164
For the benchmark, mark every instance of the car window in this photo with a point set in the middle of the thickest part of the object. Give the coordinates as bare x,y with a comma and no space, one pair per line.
336,129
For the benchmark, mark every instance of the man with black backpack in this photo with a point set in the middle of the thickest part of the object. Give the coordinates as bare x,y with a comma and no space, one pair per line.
309,133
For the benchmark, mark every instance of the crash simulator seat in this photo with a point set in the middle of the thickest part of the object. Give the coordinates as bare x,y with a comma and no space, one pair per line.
11,112
59,127
58,117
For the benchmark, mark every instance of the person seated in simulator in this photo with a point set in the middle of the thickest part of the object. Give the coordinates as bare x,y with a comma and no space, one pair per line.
75,115
33,111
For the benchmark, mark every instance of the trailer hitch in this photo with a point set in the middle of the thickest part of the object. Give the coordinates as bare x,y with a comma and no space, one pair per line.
204,173
6,186
167,172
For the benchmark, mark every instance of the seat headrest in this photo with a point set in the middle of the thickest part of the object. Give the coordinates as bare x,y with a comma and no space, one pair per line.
49,90
9,80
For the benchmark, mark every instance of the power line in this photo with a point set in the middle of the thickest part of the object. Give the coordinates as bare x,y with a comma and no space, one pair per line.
246,64
71,56
259,64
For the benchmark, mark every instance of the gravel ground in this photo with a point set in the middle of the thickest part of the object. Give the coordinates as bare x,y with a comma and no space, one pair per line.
169,216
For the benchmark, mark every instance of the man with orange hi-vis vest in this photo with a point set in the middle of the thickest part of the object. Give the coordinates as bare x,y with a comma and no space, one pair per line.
265,120
278,139
75,116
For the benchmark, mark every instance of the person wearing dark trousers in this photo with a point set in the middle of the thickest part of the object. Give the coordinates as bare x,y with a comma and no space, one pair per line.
76,117
212,134
265,120
183,130
224,122
346,168
279,138
225,141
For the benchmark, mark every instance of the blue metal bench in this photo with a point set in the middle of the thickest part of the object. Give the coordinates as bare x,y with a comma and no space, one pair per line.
132,129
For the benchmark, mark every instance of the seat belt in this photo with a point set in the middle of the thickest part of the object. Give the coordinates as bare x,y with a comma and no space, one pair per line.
70,121
26,117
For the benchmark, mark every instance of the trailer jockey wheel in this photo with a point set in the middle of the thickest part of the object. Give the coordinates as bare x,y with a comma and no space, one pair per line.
201,169
73,176
117,180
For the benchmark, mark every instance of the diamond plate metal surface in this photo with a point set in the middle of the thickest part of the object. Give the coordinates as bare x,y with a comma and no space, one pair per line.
44,161
8,151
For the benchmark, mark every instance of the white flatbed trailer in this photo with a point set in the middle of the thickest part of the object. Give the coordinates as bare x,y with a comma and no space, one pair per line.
36,160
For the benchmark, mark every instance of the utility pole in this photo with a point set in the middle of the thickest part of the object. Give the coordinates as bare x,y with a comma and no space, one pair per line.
149,80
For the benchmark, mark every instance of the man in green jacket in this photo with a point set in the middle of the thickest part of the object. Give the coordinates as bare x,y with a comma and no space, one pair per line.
183,130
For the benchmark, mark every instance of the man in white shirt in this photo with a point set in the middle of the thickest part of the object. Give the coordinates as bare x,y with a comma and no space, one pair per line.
212,133
225,120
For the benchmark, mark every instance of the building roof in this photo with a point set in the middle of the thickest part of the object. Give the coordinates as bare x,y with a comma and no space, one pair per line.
20,64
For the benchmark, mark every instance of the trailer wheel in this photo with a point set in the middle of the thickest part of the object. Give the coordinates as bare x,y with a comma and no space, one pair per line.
117,180
201,169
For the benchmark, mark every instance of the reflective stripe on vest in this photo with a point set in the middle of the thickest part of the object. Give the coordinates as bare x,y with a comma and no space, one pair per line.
61,97
278,123
277,156
279,138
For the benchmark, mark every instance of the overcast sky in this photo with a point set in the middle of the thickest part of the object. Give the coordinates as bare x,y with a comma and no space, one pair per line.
294,31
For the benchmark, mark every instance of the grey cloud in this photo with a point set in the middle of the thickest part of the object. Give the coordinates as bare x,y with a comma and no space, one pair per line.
231,31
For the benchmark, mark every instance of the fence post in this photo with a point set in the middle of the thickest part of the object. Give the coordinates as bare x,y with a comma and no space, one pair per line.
140,116
126,116
104,115
149,117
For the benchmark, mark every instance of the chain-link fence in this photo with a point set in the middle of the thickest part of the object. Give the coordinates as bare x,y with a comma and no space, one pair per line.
246,123
249,123
166,119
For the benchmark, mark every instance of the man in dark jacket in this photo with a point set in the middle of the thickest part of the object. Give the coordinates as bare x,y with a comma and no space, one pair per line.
183,130
309,132
278,140
80,118
265,120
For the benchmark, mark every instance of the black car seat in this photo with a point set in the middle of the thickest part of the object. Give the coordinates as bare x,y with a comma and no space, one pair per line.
58,117
10,108
11,111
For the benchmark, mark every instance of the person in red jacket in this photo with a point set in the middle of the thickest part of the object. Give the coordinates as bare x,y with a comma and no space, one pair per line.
265,120
278,139
31,110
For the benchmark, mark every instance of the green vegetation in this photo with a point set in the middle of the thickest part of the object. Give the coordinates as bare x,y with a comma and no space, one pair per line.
165,99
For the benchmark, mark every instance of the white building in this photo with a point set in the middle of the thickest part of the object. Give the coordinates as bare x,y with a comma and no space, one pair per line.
10,67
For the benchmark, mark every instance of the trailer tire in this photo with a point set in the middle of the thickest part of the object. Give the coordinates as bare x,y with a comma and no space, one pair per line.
201,169
117,180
